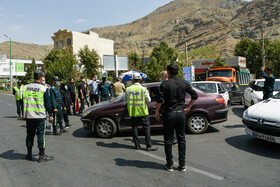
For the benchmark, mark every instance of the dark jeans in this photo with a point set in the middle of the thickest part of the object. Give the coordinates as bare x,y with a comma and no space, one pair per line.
145,121
73,99
87,101
19,107
82,107
94,97
34,126
174,120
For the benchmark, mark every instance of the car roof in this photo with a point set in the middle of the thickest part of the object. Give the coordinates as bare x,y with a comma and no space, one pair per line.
205,82
264,80
151,84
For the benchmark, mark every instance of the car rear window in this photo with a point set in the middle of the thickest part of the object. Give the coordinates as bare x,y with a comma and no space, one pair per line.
205,87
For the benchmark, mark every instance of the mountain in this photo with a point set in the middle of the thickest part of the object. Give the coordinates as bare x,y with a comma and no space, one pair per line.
25,51
199,23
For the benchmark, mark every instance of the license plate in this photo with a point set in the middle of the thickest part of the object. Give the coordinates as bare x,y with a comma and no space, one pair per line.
264,137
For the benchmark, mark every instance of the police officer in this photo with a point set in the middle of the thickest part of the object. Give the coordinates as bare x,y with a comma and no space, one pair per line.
57,106
36,102
105,90
17,91
268,88
137,98
172,93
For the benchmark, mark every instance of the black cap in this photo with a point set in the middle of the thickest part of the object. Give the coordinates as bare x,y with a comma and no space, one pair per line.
38,74
55,78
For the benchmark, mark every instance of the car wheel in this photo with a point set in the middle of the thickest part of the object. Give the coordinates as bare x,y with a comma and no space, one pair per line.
105,128
197,124
242,101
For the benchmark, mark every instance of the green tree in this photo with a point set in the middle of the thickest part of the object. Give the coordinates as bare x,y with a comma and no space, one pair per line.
90,61
29,77
219,61
134,62
273,57
161,57
61,63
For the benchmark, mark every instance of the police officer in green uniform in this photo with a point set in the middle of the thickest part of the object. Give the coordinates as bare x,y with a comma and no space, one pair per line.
266,73
57,106
105,90
17,91
36,102
137,97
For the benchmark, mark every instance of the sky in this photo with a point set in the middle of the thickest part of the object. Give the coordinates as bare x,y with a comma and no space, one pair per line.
35,21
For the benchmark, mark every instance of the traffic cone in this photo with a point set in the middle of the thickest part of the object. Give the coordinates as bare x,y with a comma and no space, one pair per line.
77,105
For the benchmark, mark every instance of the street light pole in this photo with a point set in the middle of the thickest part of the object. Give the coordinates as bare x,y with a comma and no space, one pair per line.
11,76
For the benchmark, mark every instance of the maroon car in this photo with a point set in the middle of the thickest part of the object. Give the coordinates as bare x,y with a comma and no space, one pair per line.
109,117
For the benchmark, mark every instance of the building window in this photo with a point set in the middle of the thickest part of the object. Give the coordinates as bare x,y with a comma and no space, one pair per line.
69,42
61,44
55,45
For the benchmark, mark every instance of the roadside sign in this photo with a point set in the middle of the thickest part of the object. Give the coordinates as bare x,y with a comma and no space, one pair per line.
187,73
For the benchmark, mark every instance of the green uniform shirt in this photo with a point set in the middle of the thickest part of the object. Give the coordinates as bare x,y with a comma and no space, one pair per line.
269,82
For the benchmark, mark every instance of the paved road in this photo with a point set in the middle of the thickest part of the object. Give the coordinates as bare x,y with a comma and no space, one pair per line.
224,156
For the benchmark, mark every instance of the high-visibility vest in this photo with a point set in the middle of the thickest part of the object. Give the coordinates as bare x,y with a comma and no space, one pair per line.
33,101
136,101
18,92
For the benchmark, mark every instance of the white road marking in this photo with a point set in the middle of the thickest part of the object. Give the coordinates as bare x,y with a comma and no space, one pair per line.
189,168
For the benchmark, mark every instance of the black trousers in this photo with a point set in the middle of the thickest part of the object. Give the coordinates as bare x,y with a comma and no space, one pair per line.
82,107
94,97
145,121
73,99
65,115
174,120
35,126
19,107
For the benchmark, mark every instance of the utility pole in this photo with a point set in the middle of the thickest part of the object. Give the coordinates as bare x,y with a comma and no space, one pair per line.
11,76
263,50
187,54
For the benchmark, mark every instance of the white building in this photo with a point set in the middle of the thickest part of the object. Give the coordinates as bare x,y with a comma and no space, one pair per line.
18,67
76,41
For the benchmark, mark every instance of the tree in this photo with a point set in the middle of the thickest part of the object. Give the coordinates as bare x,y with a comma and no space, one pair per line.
161,57
219,61
134,62
90,61
273,57
61,63
29,77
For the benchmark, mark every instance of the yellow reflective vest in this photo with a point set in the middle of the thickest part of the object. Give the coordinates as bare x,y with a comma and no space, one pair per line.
18,92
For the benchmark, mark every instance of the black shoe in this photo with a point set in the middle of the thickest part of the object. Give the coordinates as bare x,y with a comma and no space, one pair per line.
182,168
45,158
168,168
28,157
56,133
68,126
137,147
152,148
63,131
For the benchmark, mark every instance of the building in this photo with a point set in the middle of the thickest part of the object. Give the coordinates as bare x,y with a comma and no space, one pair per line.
18,67
76,41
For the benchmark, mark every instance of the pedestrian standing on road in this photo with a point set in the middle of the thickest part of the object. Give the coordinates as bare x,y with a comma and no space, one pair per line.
268,88
36,102
57,106
86,93
164,77
137,98
118,87
94,90
72,90
66,104
172,93
48,90
17,91
81,91
105,90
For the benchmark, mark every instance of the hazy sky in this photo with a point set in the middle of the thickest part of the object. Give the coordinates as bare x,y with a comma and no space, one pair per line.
35,21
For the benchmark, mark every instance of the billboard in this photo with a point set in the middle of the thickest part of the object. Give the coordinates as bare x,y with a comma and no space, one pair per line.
109,62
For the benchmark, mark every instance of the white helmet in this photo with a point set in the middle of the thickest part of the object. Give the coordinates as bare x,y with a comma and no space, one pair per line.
136,76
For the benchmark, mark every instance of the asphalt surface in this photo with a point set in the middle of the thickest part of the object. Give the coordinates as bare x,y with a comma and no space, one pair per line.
224,156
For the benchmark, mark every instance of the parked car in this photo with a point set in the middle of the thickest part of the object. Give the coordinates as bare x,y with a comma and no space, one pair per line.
109,117
212,87
254,93
262,120
235,92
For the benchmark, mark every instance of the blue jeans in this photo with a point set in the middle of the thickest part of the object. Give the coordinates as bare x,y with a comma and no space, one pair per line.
174,120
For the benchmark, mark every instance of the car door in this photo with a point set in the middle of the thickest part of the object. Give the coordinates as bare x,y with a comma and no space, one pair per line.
234,93
248,94
240,93
153,91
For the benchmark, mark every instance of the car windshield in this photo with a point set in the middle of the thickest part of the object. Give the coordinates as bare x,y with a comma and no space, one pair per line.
276,85
260,83
120,97
277,96
220,73
226,85
205,87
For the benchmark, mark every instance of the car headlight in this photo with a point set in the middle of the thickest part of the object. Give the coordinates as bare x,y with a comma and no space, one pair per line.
245,115
85,113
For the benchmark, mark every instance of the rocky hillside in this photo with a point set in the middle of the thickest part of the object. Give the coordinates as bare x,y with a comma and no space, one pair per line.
199,23
25,51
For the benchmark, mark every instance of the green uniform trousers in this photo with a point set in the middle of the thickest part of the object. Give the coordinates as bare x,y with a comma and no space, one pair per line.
34,126
19,107
57,118
267,95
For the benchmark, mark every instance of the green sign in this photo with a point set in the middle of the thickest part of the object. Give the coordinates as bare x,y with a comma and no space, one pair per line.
19,67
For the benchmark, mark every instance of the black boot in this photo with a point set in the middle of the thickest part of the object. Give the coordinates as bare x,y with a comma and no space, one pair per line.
29,154
43,157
